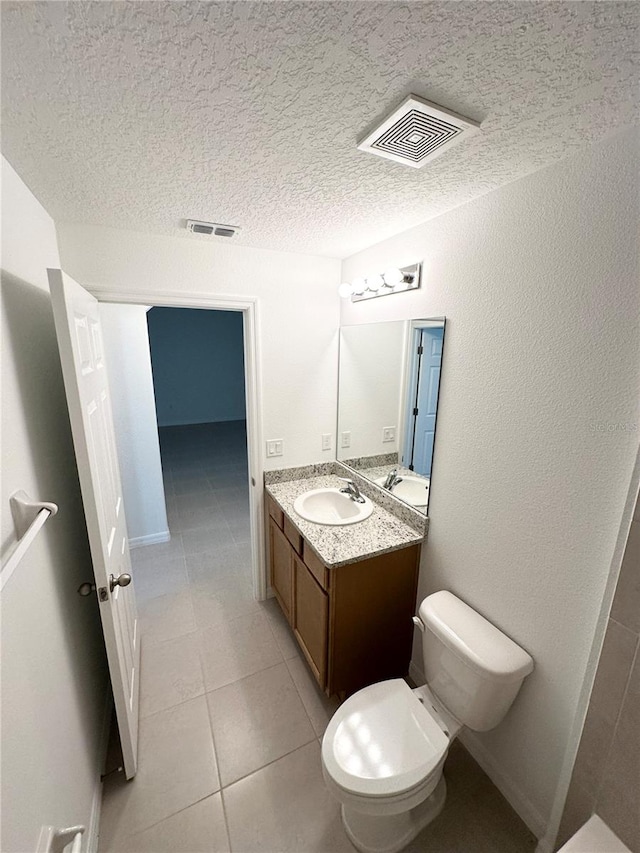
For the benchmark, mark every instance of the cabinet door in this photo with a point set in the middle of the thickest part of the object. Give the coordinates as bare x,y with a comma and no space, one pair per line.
281,556
310,619
372,602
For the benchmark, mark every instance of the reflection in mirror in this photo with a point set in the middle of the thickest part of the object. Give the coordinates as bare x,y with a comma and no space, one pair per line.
387,403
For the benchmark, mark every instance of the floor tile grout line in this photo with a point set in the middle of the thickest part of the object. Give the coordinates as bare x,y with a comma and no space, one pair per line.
244,678
249,675
226,819
173,814
190,580
171,707
300,657
239,516
206,691
224,788
286,662
251,773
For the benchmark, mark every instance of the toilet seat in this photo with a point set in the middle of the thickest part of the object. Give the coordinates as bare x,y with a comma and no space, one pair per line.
383,743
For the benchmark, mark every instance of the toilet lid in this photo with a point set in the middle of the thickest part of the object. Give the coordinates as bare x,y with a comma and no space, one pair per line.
382,741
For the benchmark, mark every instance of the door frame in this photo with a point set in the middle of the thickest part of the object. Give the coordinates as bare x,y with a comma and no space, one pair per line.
249,306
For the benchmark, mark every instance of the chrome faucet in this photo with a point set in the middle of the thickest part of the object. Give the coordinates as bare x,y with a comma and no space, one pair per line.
352,490
392,480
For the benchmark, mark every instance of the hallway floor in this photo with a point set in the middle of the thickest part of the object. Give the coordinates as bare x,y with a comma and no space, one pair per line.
230,716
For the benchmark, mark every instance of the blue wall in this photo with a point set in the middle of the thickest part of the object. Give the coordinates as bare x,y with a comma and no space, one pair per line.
198,365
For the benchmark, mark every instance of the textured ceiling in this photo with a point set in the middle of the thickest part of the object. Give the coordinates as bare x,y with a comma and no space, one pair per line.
141,114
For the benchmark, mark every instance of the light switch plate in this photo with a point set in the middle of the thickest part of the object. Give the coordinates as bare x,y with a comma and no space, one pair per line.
389,433
345,438
275,447
326,441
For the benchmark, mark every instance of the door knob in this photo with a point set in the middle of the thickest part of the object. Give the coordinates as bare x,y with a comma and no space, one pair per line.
122,580
86,588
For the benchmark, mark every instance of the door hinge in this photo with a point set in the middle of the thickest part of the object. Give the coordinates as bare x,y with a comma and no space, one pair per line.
420,349
103,595
415,412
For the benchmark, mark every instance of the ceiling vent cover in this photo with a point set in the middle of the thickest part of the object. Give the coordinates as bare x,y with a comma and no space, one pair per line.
213,229
416,132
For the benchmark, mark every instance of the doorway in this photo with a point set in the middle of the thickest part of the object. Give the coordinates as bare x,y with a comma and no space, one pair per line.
242,479
197,362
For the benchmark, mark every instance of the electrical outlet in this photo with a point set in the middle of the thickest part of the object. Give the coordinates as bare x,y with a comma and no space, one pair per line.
345,438
326,441
389,433
275,447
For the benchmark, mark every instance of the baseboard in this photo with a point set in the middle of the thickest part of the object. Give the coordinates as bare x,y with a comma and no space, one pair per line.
96,805
150,539
512,793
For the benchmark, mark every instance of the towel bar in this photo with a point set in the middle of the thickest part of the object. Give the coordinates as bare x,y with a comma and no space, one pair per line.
28,516
54,840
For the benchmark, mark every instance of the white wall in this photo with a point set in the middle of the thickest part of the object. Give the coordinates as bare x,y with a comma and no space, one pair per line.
53,670
298,315
539,283
371,382
126,345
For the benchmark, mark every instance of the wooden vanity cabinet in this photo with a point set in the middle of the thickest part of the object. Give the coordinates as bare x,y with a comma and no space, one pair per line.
354,622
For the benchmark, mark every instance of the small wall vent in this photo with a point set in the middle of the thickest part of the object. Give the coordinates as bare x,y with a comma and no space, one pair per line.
416,132
213,229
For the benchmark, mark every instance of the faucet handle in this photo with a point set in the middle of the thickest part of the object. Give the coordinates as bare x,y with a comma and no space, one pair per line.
352,490
350,485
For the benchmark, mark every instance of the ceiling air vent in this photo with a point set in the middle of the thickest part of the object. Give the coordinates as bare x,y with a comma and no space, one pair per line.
211,228
416,132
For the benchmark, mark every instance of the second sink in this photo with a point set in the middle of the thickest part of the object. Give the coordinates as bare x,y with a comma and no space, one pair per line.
331,506
411,489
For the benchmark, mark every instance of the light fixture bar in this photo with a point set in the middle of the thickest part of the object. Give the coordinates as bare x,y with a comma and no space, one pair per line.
392,281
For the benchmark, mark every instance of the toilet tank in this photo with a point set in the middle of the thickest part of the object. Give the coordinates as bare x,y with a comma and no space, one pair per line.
472,667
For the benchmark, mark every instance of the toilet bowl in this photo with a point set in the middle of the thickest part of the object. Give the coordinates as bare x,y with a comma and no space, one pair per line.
384,749
382,755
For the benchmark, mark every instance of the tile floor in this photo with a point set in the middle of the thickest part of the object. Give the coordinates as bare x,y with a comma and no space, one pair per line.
231,718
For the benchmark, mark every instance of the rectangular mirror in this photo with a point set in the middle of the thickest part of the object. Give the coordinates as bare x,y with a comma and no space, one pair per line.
388,386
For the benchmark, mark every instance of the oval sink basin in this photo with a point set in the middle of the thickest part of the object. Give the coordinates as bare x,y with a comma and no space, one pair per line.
413,490
331,506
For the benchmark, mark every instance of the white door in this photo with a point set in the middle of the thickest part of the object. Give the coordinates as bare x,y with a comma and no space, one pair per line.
85,378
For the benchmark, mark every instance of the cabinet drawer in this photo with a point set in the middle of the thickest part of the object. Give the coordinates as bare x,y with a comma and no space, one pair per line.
275,512
316,566
292,535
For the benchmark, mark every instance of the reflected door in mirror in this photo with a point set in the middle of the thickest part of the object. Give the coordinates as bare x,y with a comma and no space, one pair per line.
422,399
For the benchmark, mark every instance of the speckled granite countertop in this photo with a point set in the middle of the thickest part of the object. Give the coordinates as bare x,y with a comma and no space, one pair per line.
381,533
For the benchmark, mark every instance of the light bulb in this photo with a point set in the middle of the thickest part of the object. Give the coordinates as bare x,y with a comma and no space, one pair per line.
358,286
345,290
393,277
374,282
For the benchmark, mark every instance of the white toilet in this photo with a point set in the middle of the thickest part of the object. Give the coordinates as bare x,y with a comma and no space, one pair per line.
384,748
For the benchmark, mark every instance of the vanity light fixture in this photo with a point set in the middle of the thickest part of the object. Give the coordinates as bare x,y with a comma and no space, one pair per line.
396,280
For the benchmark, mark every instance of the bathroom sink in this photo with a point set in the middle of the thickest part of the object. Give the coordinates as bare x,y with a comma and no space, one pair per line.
331,506
413,490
